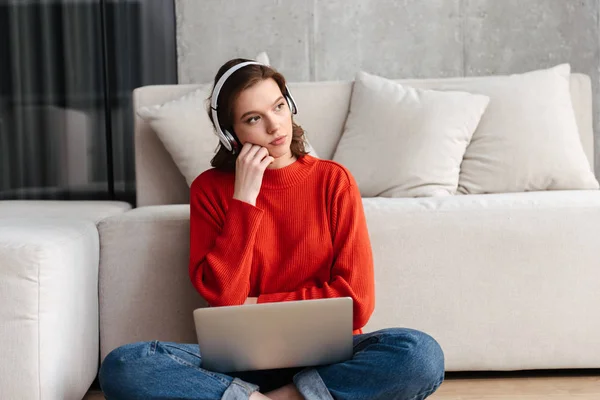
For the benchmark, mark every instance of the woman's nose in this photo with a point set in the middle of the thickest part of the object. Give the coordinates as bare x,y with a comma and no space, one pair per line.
272,124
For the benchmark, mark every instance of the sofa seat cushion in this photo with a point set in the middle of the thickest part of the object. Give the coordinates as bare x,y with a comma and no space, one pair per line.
502,281
496,201
48,307
92,210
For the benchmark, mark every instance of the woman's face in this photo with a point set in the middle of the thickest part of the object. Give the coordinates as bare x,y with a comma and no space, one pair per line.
261,116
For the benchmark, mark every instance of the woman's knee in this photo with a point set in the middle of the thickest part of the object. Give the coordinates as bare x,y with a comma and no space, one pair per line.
418,353
121,355
114,369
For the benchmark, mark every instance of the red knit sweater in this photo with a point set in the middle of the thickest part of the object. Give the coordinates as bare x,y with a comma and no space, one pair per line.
305,239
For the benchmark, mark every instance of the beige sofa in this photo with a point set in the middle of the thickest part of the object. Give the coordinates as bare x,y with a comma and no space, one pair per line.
502,281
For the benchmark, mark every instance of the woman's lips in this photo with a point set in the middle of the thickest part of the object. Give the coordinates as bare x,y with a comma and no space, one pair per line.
279,141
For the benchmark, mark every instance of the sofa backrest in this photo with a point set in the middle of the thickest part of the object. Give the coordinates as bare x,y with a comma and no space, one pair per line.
322,106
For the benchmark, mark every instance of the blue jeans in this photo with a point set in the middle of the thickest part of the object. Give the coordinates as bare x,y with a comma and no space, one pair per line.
388,364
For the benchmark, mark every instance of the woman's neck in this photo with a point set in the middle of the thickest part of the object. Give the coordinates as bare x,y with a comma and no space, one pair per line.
282,162
290,175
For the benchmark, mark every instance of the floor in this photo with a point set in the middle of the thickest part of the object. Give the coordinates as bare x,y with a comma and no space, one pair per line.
552,387
512,386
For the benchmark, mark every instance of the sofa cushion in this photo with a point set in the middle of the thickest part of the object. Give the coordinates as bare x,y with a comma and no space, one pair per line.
159,181
91,210
144,284
502,281
550,199
527,139
184,128
400,141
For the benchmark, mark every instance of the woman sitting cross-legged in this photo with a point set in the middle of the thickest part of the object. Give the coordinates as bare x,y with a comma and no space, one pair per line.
270,223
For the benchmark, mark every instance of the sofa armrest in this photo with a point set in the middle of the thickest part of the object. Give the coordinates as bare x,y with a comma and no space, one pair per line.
48,307
145,290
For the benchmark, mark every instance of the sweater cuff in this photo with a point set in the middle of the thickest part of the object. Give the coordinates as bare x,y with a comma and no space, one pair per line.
239,231
242,219
236,205
278,297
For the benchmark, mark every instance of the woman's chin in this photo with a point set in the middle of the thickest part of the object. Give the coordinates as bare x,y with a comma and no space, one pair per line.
280,153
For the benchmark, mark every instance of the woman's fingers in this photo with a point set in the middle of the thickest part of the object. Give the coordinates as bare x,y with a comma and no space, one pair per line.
251,164
262,153
251,153
266,161
247,146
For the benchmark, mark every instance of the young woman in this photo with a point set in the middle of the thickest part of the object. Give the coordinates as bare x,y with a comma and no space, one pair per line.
270,223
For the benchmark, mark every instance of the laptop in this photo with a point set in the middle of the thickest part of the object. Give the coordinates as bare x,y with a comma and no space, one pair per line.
275,335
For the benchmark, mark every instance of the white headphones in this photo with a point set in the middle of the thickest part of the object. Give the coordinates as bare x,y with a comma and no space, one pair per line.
227,138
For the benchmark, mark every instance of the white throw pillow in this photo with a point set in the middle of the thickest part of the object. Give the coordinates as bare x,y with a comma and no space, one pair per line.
528,138
184,128
400,141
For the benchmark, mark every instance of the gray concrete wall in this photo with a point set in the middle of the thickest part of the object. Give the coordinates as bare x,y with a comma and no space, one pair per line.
313,40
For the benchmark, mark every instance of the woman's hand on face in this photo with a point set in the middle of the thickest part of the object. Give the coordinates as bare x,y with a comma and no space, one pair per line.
249,169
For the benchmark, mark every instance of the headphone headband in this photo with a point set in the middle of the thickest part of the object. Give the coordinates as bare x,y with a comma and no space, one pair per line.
223,78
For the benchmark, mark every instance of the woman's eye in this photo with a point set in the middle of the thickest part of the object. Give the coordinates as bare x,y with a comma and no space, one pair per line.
279,106
252,120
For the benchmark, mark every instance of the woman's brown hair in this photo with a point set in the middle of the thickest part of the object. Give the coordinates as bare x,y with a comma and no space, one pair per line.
240,80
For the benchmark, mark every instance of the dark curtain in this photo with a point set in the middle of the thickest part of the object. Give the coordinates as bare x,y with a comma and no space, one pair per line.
67,70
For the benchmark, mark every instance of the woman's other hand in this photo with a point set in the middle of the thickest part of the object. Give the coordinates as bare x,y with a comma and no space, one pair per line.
249,169
251,300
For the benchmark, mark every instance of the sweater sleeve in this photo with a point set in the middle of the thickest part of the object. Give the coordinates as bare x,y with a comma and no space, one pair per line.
352,272
221,248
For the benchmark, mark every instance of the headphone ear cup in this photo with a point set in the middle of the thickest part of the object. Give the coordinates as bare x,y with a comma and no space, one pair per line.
222,134
291,104
232,141
290,100
223,138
